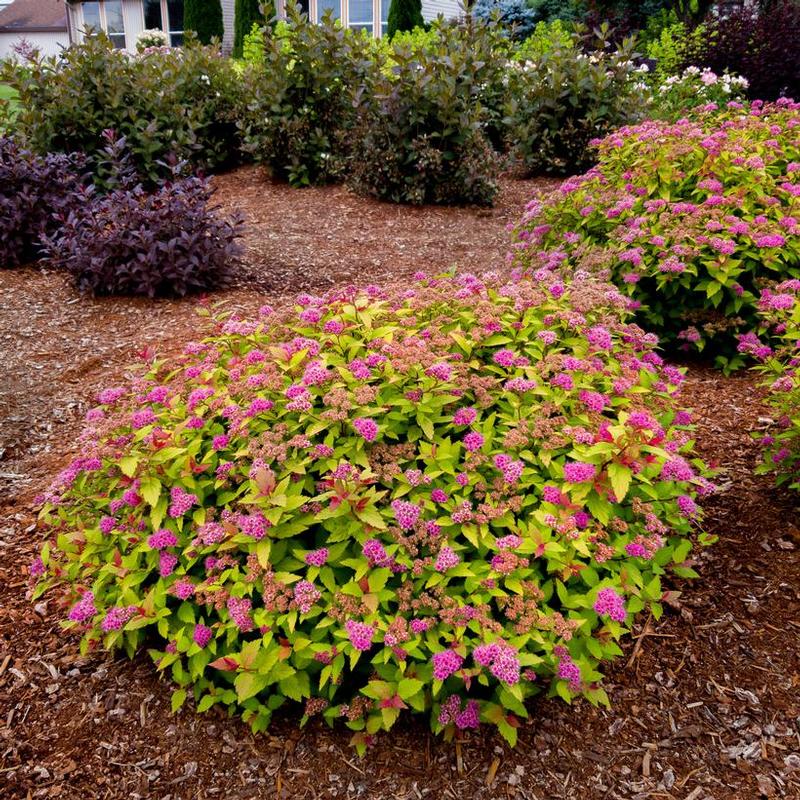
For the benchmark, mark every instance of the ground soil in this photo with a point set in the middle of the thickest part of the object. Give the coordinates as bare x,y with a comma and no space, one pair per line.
705,703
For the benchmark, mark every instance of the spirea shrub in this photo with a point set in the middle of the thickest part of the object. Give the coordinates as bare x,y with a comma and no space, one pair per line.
300,115
180,102
442,499
688,218
423,131
780,311
34,192
559,102
169,241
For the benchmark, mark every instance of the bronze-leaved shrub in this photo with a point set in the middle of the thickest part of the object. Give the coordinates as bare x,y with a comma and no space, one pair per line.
441,499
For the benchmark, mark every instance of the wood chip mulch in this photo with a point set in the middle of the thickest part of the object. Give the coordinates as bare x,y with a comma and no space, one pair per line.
705,703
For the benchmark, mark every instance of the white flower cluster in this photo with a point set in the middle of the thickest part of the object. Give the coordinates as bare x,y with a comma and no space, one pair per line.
151,37
691,75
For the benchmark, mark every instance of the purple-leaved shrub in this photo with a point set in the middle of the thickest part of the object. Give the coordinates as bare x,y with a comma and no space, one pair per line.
780,313
166,241
440,499
34,192
691,219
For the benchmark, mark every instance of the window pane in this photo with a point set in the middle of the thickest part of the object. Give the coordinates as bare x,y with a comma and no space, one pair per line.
176,39
385,10
360,12
114,23
175,14
91,16
118,40
324,5
152,15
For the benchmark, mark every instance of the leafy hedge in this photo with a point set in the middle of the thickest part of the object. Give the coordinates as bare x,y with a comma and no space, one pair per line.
422,132
178,102
443,499
688,218
780,311
300,114
563,98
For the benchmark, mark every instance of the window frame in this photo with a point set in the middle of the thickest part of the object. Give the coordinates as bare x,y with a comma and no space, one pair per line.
101,12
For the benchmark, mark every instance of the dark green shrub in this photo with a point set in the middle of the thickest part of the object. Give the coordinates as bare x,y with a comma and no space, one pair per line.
204,18
565,98
421,131
181,102
301,116
404,15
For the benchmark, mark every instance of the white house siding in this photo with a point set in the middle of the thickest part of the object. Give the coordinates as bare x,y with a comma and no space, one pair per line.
447,8
133,19
227,21
49,44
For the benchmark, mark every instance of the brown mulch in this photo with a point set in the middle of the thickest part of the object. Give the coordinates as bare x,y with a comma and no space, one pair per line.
705,703
315,238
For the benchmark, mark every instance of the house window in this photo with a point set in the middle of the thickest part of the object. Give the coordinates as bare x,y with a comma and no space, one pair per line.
106,15
174,9
385,16
334,5
360,15
152,15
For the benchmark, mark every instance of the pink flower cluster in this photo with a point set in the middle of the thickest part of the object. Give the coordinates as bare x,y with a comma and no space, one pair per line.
445,663
610,603
360,634
180,502
502,660
451,712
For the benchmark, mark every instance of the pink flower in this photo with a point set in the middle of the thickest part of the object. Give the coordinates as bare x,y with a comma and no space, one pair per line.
578,472
465,416
610,603
368,428
84,608
239,609
505,358
445,663
473,441
405,513
181,502
202,635
162,538
317,558
360,634
116,617
446,559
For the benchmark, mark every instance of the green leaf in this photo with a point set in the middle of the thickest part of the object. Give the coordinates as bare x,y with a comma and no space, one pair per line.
150,490
178,699
128,465
620,476
408,687
249,684
296,686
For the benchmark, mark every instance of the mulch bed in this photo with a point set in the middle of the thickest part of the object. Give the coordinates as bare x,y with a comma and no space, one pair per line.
706,702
